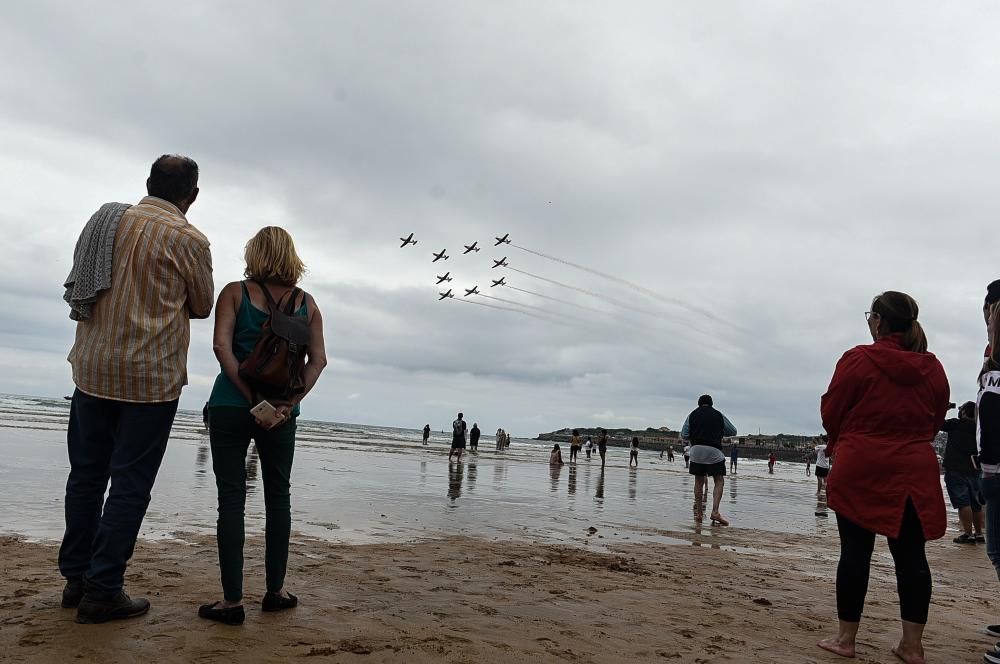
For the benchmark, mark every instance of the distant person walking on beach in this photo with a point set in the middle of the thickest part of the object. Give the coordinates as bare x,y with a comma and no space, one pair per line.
273,268
808,462
771,459
574,446
734,456
705,427
555,456
139,274
427,433
458,428
589,447
687,456
885,404
633,452
670,454
474,438
602,446
961,474
822,469
506,440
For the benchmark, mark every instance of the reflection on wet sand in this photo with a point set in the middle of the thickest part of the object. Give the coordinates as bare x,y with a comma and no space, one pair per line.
499,474
599,495
732,491
253,462
631,484
470,480
456,472
571,483
201,465
554,473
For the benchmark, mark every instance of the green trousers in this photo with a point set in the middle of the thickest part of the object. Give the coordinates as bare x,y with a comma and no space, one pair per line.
230,435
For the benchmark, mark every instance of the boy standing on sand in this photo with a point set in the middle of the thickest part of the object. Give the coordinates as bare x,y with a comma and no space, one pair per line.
140,273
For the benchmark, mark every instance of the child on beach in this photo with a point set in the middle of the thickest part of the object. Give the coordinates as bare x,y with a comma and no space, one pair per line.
633,454
589,447
670,454
555,458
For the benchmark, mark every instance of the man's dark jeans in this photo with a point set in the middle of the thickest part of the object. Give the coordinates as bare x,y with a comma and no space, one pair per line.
123,442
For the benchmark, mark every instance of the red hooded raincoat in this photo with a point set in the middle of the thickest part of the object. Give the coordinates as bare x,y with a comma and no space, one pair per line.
882,410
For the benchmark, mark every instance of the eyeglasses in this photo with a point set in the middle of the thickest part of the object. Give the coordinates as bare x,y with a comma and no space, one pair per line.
869,314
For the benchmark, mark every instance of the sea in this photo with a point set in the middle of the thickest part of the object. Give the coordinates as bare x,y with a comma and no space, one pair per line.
359,483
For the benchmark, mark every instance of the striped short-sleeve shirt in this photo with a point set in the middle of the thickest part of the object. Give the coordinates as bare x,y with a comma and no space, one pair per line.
134,345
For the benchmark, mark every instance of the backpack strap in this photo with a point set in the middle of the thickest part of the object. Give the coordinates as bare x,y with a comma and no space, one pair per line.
271,304
290,305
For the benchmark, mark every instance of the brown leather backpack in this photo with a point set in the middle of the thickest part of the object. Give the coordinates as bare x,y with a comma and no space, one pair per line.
275,369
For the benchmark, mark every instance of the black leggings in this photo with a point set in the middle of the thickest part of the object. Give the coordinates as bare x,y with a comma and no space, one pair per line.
913,575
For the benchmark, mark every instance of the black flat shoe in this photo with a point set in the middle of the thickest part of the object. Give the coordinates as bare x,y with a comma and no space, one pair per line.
275,602
92,611
234,615
72,594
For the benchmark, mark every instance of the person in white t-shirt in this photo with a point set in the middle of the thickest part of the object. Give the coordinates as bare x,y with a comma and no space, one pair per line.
822,469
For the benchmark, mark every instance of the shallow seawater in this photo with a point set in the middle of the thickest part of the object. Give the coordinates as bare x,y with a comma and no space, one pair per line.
364,484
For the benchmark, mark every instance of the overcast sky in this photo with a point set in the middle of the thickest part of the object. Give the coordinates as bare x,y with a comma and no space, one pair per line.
772,164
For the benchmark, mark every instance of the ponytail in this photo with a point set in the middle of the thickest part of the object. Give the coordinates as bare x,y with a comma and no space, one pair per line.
899,312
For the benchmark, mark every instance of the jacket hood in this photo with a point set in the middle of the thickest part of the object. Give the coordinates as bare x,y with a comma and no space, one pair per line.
900,366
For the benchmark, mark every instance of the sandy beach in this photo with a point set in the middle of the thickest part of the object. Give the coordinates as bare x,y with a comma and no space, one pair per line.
729,595
398,556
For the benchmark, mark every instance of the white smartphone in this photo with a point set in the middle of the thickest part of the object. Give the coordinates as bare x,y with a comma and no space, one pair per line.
266,413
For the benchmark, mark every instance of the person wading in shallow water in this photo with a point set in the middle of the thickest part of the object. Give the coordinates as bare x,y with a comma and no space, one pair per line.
885,404
705,427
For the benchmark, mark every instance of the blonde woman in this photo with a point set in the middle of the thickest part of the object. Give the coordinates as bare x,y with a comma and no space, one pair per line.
242,309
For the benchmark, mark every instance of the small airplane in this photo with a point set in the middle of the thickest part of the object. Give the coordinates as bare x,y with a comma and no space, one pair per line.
470,247
499,282
438,257
446,277
502,240
407,240
500,263
471,291
445,295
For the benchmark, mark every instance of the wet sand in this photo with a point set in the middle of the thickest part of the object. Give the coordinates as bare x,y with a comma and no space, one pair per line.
726,595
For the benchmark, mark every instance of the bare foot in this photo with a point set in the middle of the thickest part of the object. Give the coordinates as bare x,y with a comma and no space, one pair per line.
718,518
909,654
837,647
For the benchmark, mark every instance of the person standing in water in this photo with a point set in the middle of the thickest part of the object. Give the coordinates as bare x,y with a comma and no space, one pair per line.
670,454
808,463
458,428
427,433
705,427
555,457
885,404
771,459
602,446
474,438
633,453
589,447
574,446
734,455
822,469
687,456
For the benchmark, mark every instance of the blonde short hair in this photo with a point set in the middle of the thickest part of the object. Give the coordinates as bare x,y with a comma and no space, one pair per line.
270,256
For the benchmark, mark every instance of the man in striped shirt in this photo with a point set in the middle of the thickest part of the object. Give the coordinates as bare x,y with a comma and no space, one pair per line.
129,364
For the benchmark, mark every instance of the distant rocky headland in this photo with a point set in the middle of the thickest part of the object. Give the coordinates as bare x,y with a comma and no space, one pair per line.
787,447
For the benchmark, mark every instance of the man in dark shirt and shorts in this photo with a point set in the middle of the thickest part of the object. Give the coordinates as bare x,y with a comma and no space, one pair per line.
458,428
705,428
961,474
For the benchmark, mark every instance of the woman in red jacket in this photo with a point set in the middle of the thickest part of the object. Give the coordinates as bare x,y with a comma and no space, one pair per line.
885,404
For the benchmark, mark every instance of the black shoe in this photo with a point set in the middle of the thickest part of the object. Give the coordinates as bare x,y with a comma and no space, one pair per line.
232,616
72,594
275,602
92,611
964,538
994,631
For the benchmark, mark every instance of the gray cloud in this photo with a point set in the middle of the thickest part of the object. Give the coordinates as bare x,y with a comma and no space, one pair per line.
774,163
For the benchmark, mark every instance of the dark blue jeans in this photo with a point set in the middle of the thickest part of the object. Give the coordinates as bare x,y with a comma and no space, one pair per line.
123,442
232,429
990,485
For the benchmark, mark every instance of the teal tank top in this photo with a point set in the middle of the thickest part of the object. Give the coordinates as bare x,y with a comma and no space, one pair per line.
249,321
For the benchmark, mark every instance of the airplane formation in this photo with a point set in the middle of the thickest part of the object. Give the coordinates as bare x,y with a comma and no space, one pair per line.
469,249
